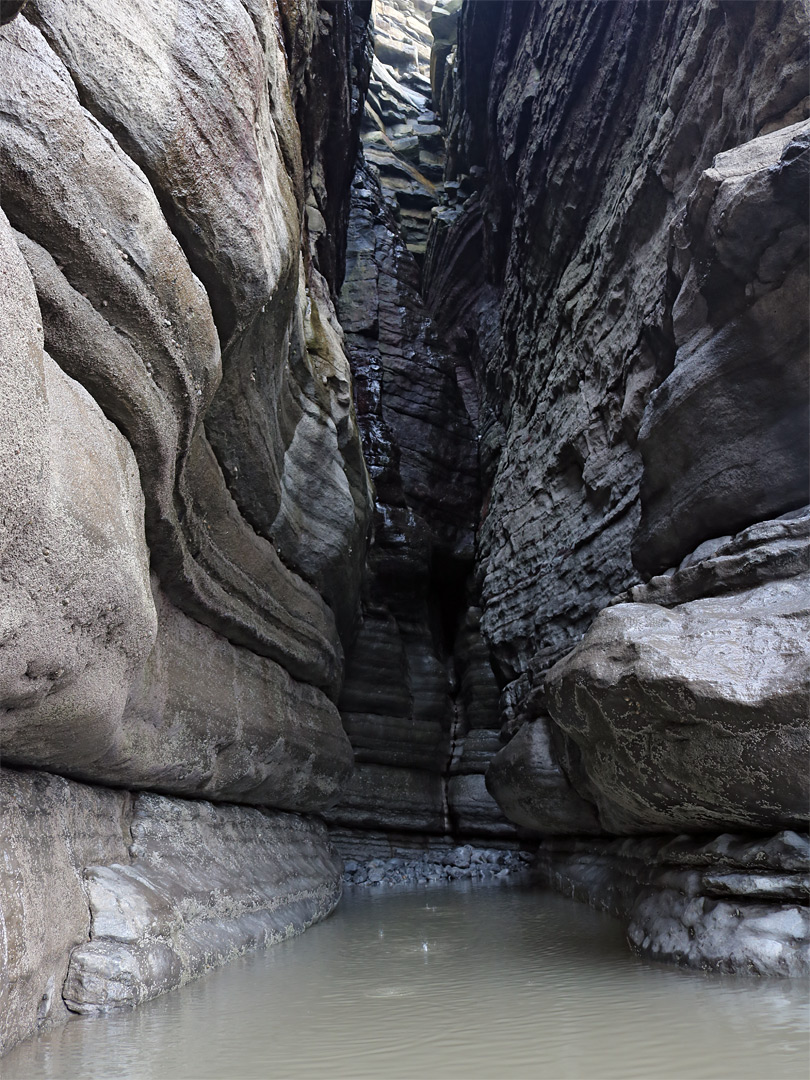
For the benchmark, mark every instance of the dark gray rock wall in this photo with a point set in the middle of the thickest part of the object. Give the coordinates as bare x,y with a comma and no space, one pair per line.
593,128
626,282
418,678
420,699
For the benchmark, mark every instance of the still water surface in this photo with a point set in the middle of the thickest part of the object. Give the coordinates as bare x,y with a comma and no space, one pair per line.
477,982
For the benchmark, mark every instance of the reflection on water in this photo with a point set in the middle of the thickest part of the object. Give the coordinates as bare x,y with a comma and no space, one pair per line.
473,982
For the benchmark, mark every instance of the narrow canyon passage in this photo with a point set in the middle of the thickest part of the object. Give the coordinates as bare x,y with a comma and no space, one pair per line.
459,982
404,534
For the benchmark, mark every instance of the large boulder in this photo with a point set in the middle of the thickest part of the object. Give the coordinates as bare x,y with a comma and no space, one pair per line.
693,716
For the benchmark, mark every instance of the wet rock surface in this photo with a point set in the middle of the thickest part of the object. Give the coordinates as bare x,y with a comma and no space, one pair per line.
373,858
110,898
703,704
735,903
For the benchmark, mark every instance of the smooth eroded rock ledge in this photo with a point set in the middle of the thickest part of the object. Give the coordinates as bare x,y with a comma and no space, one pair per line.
109,898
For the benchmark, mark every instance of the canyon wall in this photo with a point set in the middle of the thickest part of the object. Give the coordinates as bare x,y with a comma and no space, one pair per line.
584,405
185,500
420,698
638,237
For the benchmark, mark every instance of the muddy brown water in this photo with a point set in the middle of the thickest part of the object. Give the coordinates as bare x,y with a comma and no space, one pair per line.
471,981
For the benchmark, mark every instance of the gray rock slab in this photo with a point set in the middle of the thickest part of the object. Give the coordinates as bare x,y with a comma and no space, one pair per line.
110,898
723,437
694,717
676,912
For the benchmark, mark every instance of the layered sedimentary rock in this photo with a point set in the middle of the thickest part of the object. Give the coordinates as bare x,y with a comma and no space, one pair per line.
111,898
418,678
624,282
520,530
401,136
739,387
124,314
419,701
733,904
185,501
595,124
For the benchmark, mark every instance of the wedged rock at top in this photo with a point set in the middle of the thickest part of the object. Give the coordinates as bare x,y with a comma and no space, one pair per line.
723,438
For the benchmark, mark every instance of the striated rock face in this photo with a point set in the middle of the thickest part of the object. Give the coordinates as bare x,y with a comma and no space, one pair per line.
739,388
734,904
159,276
626,282
594,123
401,138
110,899
419,701
418,678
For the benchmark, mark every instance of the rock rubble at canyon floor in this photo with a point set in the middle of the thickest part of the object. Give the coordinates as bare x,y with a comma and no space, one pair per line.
404,461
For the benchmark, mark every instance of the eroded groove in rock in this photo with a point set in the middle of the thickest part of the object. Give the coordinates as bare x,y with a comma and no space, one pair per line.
260,604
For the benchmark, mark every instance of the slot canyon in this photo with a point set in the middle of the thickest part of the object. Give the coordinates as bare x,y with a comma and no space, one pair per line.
405,483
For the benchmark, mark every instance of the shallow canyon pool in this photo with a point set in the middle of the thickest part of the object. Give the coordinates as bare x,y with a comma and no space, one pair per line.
470,981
